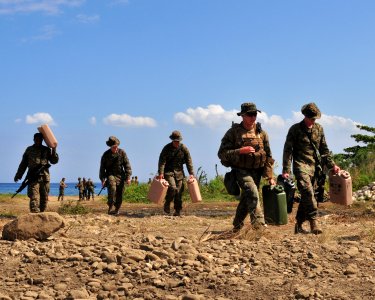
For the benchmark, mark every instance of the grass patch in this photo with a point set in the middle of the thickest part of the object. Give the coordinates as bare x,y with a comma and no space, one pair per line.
7,215
71,208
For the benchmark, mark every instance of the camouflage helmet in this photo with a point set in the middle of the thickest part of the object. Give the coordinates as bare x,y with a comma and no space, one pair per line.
247,107
176,136
112,140
311,110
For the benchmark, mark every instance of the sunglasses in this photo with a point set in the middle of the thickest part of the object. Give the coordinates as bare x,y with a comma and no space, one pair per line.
251,114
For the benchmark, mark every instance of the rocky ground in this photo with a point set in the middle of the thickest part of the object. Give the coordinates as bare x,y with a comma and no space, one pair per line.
143,254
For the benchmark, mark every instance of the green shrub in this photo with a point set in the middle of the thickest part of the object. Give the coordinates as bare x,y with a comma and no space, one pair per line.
73,209
136,193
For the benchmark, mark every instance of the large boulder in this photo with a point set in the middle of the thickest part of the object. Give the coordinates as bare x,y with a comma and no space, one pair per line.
39,226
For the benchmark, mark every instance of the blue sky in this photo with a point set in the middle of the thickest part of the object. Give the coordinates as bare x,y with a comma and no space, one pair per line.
140,69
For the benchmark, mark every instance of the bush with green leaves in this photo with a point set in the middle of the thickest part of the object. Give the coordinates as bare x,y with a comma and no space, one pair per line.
71,208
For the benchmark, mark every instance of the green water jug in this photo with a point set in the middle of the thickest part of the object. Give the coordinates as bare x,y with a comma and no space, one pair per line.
274,205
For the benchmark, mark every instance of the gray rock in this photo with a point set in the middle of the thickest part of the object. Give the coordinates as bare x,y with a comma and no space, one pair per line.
39,226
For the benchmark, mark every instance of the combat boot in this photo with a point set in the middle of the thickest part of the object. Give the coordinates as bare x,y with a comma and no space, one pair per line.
299,229
167,208
109,208
314,227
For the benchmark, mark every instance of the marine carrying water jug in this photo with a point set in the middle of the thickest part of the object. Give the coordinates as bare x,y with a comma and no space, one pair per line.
157,190
48,136
274,205
340,188
195,193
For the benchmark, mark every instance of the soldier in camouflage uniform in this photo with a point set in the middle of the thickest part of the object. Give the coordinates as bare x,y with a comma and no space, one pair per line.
245,148
62,187
84,192
34,157
90,189
171,160
302,143
80,188
115,170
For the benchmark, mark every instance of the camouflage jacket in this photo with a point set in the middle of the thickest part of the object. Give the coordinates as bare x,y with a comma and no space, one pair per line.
237,137
34,157
298,148
62,186
80,186
171,160
115,164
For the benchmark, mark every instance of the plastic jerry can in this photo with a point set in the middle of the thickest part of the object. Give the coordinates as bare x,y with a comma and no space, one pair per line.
158,190
340,188
48,136
194,191
274,205
289,189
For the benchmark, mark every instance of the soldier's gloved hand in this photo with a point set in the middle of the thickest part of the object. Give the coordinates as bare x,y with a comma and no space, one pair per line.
247,150
16,178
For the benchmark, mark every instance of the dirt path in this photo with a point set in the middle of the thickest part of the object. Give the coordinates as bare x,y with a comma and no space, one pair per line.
143,254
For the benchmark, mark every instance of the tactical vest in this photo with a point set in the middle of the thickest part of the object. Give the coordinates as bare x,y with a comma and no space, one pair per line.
258,158
252,160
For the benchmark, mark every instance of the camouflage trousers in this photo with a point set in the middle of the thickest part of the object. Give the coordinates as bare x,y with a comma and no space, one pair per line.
249,181
308,207
38,192
61,195
174,193
80,195
116,188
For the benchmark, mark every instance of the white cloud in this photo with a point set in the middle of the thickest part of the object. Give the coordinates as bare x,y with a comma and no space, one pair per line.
18,120
86,19
212,116
92,121
40,118
125,120
47,32
51,7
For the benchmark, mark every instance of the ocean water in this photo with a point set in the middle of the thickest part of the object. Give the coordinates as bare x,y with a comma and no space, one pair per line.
10,188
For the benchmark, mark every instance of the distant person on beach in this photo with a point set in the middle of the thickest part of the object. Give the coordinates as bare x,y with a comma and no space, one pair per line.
35,157
80,188
114,171
171,160
90,189
62,187
84,192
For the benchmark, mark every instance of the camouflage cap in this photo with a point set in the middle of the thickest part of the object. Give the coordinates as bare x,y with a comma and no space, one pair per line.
112,140
176,136
247,107
311,110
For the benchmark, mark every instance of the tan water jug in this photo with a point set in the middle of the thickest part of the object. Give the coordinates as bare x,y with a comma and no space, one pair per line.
48,136
340,188
158,190
194,191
